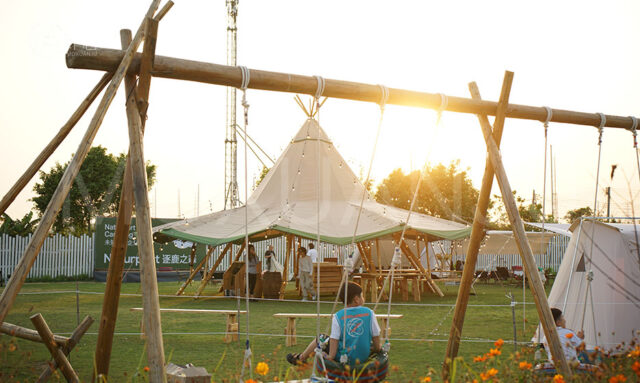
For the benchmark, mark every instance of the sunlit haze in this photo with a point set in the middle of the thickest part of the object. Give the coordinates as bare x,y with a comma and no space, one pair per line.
575,55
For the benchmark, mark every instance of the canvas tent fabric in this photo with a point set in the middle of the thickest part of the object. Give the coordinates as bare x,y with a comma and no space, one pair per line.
558,228
498,242
285,202
612,309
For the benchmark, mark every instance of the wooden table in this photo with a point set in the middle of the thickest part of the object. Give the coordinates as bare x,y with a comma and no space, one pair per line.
231,334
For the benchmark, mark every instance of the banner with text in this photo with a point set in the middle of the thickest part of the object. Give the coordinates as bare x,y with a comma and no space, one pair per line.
174,255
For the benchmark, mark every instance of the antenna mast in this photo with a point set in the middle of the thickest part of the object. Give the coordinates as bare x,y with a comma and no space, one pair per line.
230,142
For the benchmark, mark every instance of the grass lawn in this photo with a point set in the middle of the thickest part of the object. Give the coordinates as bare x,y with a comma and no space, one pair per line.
418,339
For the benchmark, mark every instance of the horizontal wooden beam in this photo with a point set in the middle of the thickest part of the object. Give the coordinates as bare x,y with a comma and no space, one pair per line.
29,334
86,57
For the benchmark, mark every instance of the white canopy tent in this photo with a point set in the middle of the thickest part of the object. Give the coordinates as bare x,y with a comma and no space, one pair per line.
608,307
285,202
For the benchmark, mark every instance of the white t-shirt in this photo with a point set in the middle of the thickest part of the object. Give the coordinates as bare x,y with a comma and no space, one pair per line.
569,344
313,254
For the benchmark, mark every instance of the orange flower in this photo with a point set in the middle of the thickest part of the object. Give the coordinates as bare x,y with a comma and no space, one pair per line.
489,374
558,379
498,343
634,353
250,381
262,368
569,335
525,366
479,358
617,379
494,352
12,347
636,367
146,368
395,368
426,379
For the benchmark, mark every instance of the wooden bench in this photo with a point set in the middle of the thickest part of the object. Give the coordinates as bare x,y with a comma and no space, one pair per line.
231,334
290,329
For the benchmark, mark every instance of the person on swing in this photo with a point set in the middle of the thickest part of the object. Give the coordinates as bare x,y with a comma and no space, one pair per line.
362,331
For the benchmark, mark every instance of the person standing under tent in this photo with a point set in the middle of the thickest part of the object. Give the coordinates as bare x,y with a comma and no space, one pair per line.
312,253
253,269
305,271
268,257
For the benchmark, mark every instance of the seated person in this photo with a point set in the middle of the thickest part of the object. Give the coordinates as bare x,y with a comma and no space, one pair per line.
362,331
569,339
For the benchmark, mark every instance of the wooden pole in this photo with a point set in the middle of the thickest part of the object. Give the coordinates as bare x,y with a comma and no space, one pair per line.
29,257
146,64
61,360
479,219
118,251
535,283
148,276
285,271
53,145
84,57
28,334
195,271
192,257
73,341
209,274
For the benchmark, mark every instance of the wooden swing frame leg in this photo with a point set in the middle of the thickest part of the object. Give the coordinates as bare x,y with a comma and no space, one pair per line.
76,335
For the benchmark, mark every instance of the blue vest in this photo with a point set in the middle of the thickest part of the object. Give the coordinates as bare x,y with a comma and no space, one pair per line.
358,334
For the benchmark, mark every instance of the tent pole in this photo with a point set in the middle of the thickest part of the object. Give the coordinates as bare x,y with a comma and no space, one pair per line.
53,145
86,57
479,219
285,271
539,295
195,270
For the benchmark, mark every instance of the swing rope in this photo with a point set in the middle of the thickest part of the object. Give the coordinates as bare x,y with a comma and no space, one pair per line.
544,203
247,352
349,261
318,359
396,260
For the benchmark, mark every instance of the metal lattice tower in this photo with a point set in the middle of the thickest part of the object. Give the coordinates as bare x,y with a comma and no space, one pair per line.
230,143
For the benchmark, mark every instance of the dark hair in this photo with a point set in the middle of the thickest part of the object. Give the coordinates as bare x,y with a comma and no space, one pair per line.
557,313
353,290
252,254
304,250
311,245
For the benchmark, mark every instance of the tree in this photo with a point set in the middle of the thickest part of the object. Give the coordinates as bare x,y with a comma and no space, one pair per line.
96,190
531,212
574,214
19,227
446,192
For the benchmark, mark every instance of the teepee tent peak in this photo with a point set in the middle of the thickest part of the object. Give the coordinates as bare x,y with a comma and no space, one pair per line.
286,202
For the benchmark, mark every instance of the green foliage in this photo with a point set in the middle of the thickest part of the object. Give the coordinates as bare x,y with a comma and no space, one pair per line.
574,214
446,192
20,227
531,212
96,190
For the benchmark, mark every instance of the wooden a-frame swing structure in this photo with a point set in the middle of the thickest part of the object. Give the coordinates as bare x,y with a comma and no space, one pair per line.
128,65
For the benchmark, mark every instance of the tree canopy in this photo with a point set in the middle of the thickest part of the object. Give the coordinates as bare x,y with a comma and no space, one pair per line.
96,190
574,214
18,227
445,192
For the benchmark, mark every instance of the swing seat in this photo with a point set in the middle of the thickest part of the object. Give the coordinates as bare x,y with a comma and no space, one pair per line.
373,370
549,368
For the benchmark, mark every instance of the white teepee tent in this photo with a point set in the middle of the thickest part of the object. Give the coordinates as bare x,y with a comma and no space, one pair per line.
285,202
607,308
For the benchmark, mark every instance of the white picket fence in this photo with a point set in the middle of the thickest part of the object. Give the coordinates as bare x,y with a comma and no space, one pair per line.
72,256
59,256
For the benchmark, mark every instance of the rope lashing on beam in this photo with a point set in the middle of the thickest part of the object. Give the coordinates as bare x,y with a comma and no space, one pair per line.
444,102
634,131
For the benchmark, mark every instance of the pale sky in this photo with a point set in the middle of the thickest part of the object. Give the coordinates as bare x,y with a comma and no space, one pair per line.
576,55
